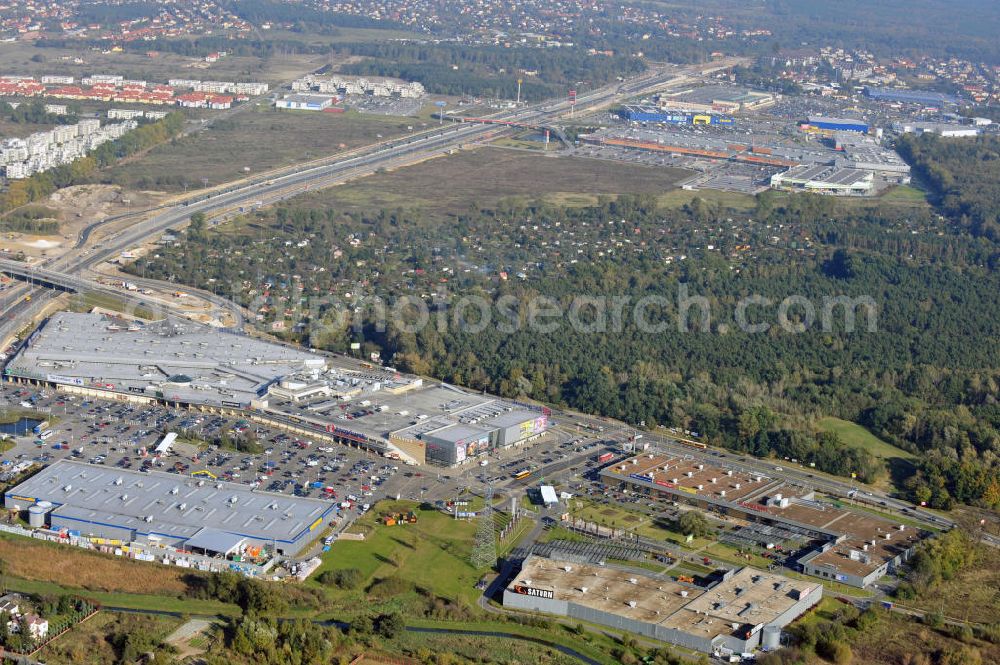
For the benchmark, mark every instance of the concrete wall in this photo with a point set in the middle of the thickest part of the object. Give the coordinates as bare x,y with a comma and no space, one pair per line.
828,572
592,615
799,608
521,601
87,528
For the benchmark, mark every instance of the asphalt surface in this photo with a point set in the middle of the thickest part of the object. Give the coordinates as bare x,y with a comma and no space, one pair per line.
65,271
277,185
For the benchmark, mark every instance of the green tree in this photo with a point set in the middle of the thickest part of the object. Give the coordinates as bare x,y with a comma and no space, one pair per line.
389,626
693,523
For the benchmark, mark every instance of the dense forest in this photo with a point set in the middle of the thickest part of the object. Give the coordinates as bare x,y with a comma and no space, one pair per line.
453,69
33,112
923,373
964,176
891,28
197,47
31,219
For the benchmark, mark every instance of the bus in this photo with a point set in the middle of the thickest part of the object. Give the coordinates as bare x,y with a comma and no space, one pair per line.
40,427
522,474
46,434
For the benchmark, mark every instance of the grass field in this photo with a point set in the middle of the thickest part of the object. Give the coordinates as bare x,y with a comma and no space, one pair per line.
902,195
973,594
131,601
88,301
434,554
447,185
87,642
614,516
42,561
857,436
259,140
596,645
679,197
905,194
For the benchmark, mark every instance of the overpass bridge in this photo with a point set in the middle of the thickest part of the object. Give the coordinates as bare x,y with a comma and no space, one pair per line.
61,281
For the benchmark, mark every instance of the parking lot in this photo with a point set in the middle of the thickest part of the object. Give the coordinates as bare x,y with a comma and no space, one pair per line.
396,106
125,436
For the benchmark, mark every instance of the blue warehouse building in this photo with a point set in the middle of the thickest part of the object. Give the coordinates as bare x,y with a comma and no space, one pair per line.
179,511
657,115
925,97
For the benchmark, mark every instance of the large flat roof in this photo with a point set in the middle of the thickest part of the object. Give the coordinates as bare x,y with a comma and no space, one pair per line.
692,476
748,596
169,504
853,529
191,363
456,433
836,121
181,360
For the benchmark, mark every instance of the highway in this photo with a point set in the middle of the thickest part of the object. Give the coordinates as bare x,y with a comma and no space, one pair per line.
67,272
279,185
78,284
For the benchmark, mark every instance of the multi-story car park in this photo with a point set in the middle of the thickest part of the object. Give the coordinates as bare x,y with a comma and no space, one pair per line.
187,365
158,509
733,611
851,547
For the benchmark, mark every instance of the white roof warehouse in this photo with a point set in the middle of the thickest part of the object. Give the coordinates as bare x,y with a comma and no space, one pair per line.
185,364
175,510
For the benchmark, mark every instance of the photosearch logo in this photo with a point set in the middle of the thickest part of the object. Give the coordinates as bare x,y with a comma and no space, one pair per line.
591,314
